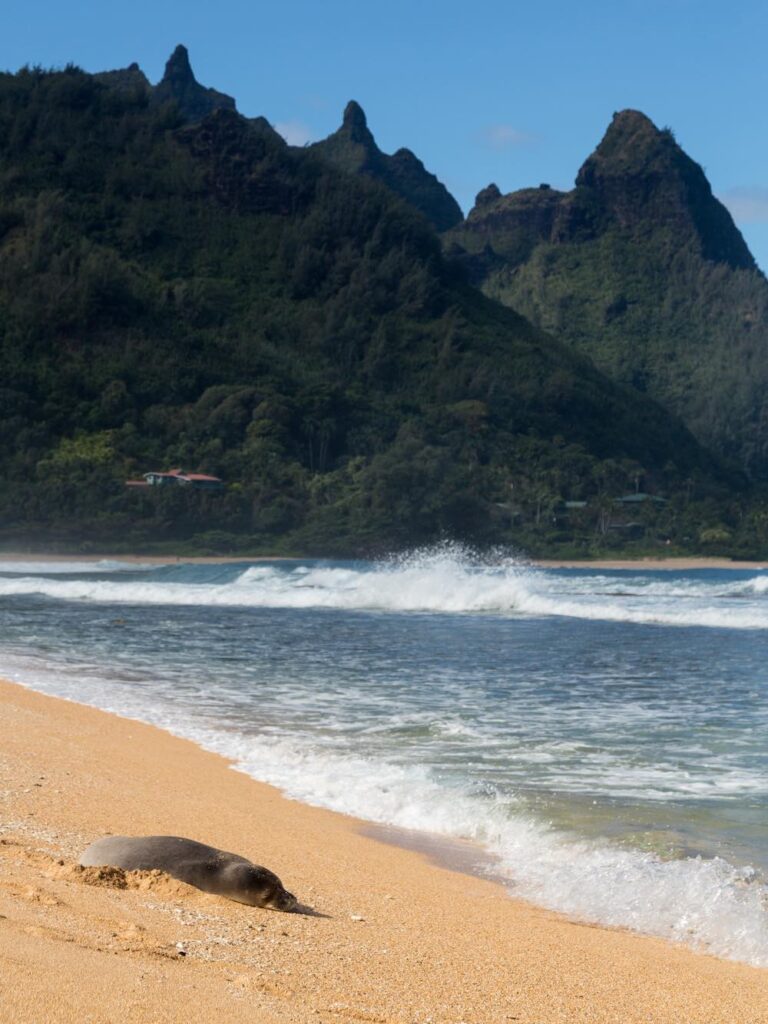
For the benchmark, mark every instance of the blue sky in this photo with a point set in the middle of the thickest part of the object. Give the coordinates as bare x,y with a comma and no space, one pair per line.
516,93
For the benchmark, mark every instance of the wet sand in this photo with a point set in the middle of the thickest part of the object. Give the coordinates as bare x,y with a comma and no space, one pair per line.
392,935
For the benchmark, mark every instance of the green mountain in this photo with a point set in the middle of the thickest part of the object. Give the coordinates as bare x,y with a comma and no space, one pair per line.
203,296
353,149
641,268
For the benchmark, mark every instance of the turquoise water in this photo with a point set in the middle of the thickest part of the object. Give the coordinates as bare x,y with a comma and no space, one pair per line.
604,734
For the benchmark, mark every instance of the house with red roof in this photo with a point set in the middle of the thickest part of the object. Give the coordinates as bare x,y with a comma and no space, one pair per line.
178,478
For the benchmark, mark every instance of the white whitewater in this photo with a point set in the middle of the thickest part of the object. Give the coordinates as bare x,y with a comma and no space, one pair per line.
441,581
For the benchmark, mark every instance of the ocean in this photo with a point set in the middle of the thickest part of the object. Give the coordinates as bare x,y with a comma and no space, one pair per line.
602,735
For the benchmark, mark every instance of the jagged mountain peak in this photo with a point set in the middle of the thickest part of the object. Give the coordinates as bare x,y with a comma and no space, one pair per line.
179,85
632,144
640,177
356,123
638,180
177,66
353,148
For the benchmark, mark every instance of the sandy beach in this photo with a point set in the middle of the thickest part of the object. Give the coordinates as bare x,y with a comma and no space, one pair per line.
23,556
544,563
392,936
654,564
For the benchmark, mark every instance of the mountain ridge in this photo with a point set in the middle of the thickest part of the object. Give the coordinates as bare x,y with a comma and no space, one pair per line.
178,85
353,149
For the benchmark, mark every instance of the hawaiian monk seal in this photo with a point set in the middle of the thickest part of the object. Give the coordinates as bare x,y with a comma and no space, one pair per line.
209,869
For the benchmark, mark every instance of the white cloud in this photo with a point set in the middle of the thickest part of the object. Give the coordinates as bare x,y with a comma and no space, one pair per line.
295,133
502,136
748,203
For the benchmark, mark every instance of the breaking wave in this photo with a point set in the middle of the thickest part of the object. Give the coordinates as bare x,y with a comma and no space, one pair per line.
706,903
443,580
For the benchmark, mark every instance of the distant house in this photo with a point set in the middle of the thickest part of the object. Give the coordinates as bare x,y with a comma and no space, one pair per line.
632,529
639,499
170,479
568,508
200,481
628,505
178,478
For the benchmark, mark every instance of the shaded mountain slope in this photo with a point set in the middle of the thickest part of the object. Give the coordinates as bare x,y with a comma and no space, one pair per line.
641,268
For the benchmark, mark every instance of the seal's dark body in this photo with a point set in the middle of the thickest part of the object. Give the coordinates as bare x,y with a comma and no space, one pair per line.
205,867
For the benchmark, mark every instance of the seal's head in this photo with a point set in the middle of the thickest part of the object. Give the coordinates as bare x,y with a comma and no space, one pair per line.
256,886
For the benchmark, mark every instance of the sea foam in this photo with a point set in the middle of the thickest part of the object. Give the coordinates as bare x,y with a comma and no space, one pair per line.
441,581
706,903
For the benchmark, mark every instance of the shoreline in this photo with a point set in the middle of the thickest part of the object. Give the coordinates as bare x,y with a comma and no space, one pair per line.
393,936
22,557
647,563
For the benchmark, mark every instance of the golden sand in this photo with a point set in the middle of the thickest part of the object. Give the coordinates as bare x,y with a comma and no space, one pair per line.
548,563
652,563
392,938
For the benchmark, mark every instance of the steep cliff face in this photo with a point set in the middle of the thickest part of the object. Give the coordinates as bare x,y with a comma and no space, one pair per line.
643,269
353,149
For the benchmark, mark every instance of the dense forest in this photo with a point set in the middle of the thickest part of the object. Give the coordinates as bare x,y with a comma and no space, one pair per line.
183,289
